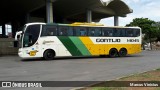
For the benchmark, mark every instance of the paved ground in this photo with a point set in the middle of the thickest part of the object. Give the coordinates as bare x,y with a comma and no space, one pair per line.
75,69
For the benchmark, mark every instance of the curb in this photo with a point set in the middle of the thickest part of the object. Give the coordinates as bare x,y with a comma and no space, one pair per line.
78,88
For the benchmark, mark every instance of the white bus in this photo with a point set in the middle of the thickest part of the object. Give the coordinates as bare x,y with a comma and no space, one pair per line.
77,39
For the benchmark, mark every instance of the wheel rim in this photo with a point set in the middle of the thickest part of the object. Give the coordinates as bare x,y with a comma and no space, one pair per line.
113,53
50,55
123,52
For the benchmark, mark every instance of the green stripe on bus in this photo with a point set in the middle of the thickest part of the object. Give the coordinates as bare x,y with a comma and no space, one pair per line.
79,44
70,46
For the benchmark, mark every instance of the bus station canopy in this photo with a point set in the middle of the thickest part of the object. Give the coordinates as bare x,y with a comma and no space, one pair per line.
71,10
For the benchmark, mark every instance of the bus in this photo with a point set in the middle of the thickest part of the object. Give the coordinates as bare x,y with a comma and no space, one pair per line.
50,40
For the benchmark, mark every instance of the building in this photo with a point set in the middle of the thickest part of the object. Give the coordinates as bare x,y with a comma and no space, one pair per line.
18,12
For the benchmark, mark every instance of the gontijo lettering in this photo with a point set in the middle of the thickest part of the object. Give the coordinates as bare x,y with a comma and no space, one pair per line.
108,40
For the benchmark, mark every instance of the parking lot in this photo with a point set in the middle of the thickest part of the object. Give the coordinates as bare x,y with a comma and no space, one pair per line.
13,68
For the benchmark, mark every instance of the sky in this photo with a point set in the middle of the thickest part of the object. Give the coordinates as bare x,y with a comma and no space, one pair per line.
141,8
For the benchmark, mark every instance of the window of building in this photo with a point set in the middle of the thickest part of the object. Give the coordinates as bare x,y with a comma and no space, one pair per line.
8,30
0,29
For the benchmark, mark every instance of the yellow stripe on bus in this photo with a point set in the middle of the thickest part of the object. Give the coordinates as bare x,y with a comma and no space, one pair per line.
89,45
103,49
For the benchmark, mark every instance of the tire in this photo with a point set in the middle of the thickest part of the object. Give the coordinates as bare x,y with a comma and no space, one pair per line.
113,53
49,55
122,52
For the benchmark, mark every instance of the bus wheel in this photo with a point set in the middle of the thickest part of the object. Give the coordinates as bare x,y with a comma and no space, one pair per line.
49,55
122,52
113,53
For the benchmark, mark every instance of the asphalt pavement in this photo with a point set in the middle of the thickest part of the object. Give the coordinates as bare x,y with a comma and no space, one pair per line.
13,68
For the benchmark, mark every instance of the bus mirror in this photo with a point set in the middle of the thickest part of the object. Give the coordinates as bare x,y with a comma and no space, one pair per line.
18,35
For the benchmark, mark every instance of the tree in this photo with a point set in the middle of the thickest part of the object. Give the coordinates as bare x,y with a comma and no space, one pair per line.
147,27
157,25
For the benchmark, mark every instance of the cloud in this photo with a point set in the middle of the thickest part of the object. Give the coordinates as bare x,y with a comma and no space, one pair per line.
137,1
141,8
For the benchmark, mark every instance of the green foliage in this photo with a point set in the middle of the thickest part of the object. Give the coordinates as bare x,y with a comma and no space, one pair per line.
149,27
143,23
157,25
158,69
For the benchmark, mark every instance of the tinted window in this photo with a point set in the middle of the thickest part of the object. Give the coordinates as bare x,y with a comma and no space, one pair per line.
63,31
107,31
94,31
70,31
49,30
31,35
119,32
132,32
136,32
129,32
80,31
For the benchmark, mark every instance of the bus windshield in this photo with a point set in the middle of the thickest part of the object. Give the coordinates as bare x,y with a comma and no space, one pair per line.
31,35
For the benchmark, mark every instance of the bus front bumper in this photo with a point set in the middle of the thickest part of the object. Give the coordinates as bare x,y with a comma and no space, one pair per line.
20,53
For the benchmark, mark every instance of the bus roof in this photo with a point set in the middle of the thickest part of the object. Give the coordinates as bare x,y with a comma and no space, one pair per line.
82,24
34,23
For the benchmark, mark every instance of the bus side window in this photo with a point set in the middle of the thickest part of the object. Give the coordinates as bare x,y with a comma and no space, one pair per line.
95,31
119,32
76,31
99,32
136,32
122,32
70,31
116,32
129,32
49,31
91,32
83,32
107,32
80,31
63,30
43,33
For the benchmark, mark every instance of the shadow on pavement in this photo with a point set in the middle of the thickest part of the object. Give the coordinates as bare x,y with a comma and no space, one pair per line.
77,58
